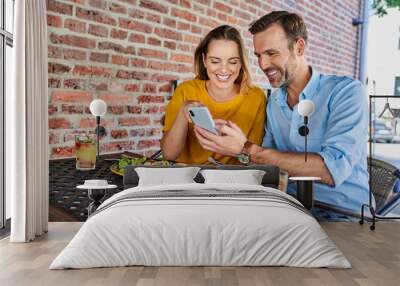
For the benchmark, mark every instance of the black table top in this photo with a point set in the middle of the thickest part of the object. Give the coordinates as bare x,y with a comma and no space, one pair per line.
63,179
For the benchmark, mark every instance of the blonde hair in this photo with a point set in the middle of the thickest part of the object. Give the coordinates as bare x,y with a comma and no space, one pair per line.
229,33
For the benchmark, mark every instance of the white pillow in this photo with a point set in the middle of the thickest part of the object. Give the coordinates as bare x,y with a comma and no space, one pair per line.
166,176
248,177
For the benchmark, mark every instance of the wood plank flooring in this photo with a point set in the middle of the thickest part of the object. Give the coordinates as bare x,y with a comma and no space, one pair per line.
375,257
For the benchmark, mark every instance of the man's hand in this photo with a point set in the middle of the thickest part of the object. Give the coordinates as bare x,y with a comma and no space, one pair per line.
230,142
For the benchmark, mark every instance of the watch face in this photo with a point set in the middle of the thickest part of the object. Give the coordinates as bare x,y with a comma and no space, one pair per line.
244,158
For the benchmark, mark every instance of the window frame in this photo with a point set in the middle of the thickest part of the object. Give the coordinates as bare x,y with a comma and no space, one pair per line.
6,39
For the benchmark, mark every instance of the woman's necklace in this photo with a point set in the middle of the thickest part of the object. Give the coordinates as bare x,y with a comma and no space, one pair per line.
232,94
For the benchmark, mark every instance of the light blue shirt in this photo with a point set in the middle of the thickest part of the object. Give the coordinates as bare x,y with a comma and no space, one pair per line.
338,133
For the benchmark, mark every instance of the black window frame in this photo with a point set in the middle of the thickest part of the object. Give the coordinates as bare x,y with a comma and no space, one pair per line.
6,39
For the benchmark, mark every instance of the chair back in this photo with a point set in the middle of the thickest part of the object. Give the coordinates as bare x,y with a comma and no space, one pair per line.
383,177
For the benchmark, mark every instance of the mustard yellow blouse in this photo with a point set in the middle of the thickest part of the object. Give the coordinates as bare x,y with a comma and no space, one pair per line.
246,110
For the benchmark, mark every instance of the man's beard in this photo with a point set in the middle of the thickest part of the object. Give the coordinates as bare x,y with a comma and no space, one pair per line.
287,74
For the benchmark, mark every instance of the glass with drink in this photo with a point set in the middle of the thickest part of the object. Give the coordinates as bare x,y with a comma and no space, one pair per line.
85,150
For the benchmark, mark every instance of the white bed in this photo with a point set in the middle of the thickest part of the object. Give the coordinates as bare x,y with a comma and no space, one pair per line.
184,230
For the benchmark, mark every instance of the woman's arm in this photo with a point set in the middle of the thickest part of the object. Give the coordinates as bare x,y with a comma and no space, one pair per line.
173,140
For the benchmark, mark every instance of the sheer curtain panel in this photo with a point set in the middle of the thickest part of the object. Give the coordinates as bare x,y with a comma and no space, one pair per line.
27,150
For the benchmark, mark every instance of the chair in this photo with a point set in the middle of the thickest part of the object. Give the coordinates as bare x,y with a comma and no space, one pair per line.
385,187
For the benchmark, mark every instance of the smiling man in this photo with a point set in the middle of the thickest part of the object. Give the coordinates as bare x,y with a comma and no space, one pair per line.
338,127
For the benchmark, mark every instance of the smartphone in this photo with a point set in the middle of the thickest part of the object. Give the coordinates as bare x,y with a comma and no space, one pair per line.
201,116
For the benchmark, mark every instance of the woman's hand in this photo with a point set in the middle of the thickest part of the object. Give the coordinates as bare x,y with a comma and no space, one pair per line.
185,108
230,141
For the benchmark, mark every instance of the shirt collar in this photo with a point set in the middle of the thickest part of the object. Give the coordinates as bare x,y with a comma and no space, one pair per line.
308,92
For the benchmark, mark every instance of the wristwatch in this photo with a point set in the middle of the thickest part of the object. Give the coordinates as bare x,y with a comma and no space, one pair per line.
244,156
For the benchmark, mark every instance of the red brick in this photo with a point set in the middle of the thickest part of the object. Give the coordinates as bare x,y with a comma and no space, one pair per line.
58,68
195,29
99,57
165,88
74,54
153,132
54,52
72,109
150,99
149,88
191,39
136,13
54,83
152,53
54,138
119,60
151,109
74,83
132,87
92,71
242,14
222,7
54,21
183,26
136,38
139,63
116,47
72,40
153,41
163,77
169,22
134,121
63,152
155,65
117,146
117,8
119,34
184,15
135,109
153,18
99,31
101,4
102,86
116,109
132,75
153,5
208,22
96,16
58,7
185,3
181,58
135,25
52,109
59,123
183,47
75,25
116,99
170,45
118,134
137,132
144,144
168,33
69,96
87,123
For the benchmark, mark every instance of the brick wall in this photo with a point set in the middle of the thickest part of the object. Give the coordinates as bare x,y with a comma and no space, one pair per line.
127,53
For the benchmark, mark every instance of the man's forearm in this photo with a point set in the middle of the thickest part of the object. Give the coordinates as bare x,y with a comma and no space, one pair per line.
293,163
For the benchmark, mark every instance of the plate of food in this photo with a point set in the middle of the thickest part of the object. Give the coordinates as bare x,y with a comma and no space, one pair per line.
137,160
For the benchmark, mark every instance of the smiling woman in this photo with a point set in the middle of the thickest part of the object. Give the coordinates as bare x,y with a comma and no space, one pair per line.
224,86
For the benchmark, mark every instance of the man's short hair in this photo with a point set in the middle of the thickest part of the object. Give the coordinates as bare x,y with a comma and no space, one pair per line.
293,25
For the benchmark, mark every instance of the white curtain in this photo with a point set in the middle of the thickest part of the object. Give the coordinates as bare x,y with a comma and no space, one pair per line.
27,126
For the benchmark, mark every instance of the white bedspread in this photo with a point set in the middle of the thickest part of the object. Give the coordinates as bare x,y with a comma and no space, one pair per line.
184,231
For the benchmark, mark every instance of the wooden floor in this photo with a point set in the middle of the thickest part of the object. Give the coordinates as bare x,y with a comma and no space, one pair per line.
375,256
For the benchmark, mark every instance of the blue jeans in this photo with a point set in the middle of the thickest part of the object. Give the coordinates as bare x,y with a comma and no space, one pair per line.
323,215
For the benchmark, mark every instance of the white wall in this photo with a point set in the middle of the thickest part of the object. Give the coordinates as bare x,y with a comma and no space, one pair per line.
383,53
